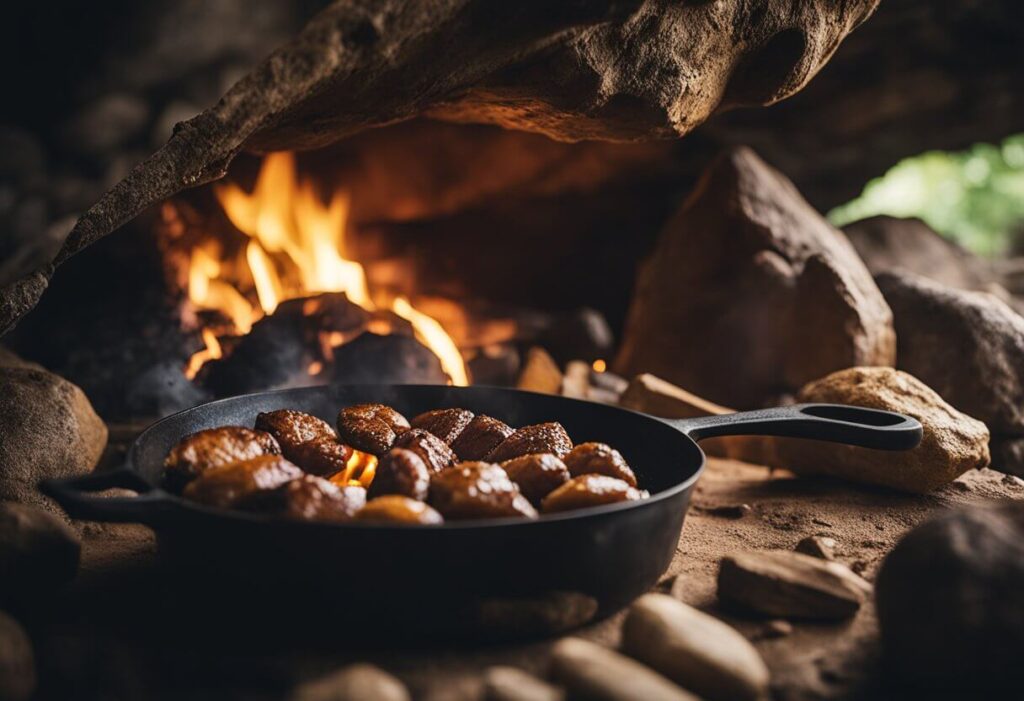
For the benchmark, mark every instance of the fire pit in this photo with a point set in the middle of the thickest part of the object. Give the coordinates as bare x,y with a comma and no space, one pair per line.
467,198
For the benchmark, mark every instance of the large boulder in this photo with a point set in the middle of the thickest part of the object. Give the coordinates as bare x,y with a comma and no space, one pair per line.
967,346
953,442
751,293
48,429
950,606
889,243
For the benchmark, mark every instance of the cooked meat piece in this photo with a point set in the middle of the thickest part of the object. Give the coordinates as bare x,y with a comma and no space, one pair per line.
371,428
228,485
477,490
446,424
401,471
309,498
434,452
213,447
589,490
537,475
540,438
480,437
599,459
306,440
394,508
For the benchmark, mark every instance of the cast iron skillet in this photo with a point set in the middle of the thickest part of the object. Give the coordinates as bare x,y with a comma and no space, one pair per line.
504,572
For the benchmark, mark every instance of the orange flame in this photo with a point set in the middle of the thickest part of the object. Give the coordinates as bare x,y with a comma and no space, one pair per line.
296,248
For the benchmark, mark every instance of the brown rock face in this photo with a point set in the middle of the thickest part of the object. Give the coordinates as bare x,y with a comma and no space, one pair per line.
967,346
623,70
48,430
751,293
953,442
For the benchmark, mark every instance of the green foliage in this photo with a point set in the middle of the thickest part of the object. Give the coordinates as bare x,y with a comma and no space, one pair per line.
975,197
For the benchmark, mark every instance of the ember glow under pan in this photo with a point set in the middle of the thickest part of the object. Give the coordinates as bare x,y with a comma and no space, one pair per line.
513,574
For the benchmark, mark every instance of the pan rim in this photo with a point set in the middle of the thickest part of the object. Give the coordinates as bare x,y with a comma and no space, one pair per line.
233,515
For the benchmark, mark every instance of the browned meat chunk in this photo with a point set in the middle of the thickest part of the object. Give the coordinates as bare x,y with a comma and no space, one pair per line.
306,440
394,508
401,471
228,485
446,424
540,438
480,437
434,452
310,498
195,454
371,428
599,459
537,475
477,490
589,490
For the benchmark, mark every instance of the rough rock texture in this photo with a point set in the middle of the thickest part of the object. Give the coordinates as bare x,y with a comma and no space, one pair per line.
48,429
887,244
967,346
949,602
751,293
38,551
622,70
953,443
1008,454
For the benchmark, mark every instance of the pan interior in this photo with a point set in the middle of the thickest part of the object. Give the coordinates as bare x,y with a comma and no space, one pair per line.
661,456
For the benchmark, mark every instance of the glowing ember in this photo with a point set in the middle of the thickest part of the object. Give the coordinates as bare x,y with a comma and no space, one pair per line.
296,248
599,365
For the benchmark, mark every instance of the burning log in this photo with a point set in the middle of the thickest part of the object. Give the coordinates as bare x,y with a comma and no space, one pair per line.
596,69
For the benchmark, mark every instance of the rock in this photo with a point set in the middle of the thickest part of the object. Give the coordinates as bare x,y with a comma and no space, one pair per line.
821,547
791,585
540,373
777,296
590,671
887,244
49,430
38,551
358,682
950,338
17,662
621,71
777,628
1008,454
953,443
513,684
583,334
949,603
105,124
695,650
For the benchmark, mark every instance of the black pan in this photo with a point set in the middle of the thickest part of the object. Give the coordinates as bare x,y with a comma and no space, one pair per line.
505,571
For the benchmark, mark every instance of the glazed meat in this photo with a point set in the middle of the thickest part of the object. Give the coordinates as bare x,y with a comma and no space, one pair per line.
599,459
434,452
537,475
230,485
480,437
446,424
309,498
197,453
403,472
371,428
306,440
589,490
477,490
394,508
540,438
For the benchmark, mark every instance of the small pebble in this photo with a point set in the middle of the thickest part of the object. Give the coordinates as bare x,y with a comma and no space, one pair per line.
777,628
821,547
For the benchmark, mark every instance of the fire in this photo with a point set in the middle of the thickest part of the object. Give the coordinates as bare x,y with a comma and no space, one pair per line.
296,248
359,471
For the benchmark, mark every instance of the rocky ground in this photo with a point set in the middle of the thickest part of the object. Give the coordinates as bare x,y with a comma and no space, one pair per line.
109,629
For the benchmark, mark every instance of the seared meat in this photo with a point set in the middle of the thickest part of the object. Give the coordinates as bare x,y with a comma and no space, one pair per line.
537,475
540,438
309,498
371,428
480,437
212,447
401,471
394,508
434,452
477,490
446,424
306,440
229,485
589,490
599,459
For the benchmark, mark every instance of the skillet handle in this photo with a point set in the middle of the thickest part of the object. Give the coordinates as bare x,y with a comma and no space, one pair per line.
836,423
74,497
